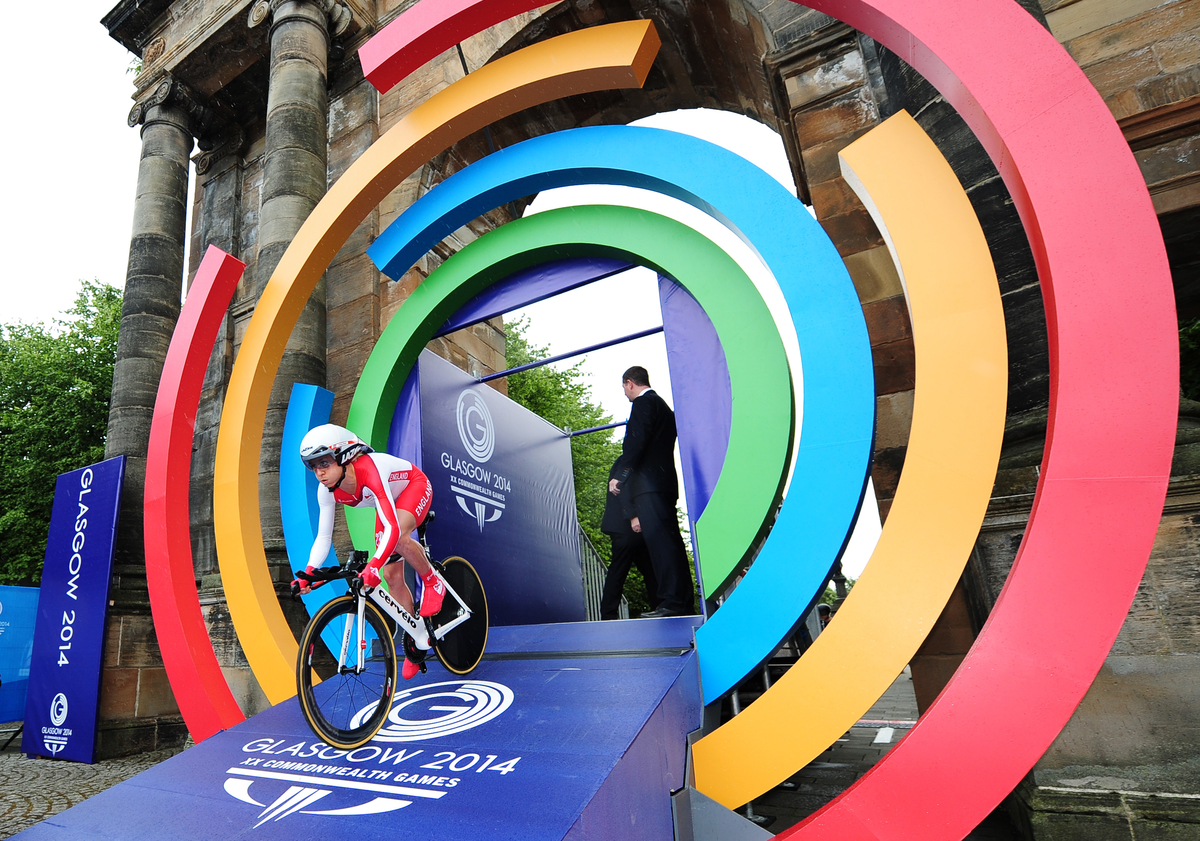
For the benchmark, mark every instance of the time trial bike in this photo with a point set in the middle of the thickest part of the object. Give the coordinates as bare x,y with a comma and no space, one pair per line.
346,667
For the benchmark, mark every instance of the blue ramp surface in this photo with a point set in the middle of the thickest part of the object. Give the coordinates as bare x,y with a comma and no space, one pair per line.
574,731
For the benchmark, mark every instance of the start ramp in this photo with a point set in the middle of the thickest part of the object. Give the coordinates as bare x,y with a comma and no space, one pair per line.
573,731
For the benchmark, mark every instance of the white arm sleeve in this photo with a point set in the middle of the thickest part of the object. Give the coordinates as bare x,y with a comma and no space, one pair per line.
321,546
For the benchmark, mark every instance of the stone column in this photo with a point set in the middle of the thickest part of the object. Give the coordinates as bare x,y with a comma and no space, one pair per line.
294,180
170,117
137,710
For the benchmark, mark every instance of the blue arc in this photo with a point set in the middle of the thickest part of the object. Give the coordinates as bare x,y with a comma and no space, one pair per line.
837,430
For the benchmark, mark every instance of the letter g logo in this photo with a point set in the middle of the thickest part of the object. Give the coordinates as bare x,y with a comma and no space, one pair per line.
475,426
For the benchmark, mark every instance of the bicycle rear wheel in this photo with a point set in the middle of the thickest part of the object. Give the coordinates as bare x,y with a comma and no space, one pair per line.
343,706
462,648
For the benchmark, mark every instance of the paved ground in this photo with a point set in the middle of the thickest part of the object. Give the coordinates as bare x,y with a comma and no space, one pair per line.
34,789
852,756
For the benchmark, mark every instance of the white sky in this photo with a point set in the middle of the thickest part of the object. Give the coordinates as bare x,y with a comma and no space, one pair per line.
72,173
71,162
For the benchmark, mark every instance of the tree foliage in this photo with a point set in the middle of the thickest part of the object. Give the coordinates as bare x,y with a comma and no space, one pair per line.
1189,358
563,399
55,385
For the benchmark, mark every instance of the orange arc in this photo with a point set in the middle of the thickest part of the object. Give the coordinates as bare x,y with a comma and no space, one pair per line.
601,58
953,451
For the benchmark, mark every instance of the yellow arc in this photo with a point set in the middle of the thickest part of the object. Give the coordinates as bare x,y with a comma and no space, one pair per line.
601,58
953,451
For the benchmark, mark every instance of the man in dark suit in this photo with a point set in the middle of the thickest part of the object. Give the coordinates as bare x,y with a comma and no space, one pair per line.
623,528
646,472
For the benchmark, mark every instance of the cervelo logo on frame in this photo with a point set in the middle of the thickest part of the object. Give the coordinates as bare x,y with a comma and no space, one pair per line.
475,426
306,775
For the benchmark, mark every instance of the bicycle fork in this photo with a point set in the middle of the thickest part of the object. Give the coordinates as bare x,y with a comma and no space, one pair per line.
353,622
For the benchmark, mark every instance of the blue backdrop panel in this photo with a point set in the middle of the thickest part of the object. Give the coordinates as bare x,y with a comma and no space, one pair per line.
504,495
521,750
68,644
703,397
18,615
532,285
404,437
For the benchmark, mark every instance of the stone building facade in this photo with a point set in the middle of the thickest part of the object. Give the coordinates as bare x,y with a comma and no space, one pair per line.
273,93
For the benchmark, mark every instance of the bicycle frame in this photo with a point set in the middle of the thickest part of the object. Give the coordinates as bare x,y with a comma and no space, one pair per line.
419,630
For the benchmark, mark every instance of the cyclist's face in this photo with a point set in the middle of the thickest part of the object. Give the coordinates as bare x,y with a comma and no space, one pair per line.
326,470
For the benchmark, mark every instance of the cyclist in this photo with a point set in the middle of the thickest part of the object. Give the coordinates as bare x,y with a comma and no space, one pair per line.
351,473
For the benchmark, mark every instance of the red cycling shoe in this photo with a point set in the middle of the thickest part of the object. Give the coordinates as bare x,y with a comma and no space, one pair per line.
410,669
433,592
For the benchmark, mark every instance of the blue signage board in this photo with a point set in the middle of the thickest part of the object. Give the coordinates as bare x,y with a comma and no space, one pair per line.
18,610
68,644
504,493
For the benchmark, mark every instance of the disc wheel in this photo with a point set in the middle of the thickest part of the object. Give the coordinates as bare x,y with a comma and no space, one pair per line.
343,706
462,648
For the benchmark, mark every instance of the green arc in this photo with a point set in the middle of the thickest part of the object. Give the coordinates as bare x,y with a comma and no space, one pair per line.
761,423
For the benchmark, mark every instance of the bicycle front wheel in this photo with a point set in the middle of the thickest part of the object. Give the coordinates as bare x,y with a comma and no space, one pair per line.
462,648
343,704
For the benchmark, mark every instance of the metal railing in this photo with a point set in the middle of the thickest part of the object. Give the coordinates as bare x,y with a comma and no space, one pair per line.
594,572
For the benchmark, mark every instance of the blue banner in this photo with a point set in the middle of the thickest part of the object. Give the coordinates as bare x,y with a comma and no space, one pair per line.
504,494
18,610
68,645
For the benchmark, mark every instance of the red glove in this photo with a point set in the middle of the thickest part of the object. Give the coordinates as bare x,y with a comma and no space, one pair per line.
370,575
299,585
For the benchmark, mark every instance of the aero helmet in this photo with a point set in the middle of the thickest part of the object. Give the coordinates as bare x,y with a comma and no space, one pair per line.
331,440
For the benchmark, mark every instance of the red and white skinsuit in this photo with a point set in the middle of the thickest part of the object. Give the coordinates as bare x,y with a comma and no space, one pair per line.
405,487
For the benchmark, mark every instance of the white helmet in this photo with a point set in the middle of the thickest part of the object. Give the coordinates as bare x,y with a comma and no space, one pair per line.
331,440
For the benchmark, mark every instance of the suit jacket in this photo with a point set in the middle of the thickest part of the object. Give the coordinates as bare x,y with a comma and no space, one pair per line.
647,462
618,509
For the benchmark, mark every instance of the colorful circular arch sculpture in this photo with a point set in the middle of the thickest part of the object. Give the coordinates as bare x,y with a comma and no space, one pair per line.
1110,319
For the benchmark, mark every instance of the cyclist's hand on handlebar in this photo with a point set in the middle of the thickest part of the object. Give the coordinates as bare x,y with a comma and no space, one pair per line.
370,575
301,584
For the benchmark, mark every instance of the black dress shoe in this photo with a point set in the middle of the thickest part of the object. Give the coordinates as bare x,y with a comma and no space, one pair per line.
660,613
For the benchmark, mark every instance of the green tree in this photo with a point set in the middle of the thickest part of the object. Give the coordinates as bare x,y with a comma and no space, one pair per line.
55,384
564,399
1189,358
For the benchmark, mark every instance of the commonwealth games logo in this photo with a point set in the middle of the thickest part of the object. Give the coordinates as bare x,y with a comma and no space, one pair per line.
475,426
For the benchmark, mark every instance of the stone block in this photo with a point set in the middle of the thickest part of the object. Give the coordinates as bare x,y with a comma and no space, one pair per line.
348,149
1181,52
138,643
1160,22
886,466
345,366
893,419
930,674
116,739
154,695
832,198
354,109
874,274
1170,89
246,690
821,160
833,120
838,74
852,232
1073,20
887,320
894,367
349,281
1174,159
1123,72
118,693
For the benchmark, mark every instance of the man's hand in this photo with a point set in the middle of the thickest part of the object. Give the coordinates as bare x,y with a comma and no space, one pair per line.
614,487
370,575
636,524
